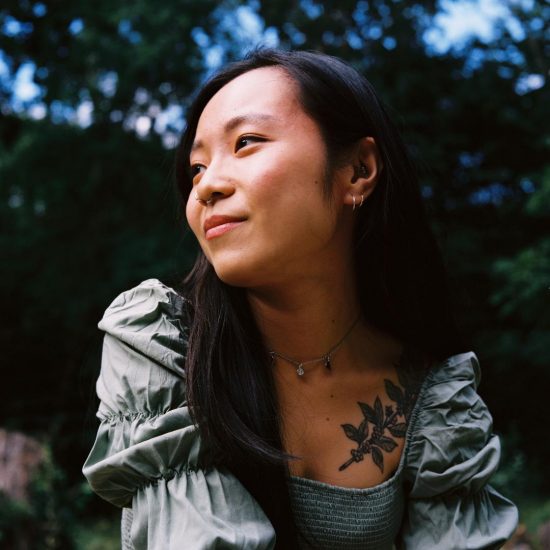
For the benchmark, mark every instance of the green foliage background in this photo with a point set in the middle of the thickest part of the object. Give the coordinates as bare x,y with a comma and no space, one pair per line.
86,212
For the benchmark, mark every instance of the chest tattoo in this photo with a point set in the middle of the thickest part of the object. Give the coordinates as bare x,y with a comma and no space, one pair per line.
381,425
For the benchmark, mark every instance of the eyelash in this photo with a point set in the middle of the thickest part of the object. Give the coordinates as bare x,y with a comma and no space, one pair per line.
246,138
238,146
195,169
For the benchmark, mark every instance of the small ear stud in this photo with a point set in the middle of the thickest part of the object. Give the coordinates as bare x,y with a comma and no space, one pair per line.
360,171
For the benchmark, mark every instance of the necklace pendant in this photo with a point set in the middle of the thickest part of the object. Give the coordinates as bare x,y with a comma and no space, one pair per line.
328,365
300,370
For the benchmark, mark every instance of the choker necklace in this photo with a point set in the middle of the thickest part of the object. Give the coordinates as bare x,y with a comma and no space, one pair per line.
325,359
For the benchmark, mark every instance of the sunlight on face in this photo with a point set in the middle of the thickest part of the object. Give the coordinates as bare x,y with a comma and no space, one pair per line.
262,162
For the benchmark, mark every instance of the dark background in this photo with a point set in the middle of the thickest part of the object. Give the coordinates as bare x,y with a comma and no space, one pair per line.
87,208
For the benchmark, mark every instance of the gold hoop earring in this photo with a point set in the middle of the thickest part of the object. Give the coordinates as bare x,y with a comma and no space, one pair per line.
361,203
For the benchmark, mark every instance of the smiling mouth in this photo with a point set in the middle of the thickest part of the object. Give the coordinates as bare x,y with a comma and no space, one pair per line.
221,229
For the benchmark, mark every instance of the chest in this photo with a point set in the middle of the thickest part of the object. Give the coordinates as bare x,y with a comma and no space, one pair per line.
349,433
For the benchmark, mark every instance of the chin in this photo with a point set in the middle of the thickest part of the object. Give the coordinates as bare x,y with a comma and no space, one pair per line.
232,271
239,272
234,277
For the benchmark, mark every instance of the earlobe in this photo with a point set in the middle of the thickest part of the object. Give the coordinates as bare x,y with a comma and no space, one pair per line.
355,200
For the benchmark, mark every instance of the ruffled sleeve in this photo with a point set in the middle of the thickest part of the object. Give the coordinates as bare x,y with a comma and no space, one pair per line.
451,456
147,450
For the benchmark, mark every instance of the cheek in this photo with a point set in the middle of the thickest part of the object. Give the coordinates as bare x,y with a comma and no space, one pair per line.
287,177
192,214
291,188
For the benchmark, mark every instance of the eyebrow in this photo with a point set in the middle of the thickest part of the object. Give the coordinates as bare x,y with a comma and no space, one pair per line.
236,121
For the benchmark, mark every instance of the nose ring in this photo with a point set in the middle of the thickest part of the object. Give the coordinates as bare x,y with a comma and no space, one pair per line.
202,201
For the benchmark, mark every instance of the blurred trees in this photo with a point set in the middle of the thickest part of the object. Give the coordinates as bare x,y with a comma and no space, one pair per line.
86,208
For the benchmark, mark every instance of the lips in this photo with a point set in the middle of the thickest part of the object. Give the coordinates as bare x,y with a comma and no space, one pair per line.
218,225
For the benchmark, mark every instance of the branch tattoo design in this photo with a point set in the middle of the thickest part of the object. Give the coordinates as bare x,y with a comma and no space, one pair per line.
381,425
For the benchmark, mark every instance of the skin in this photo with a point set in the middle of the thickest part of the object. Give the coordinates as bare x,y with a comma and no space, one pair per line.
259,157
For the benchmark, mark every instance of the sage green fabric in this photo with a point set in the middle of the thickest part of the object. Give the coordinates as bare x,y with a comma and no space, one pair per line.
146,454
338,518
448,457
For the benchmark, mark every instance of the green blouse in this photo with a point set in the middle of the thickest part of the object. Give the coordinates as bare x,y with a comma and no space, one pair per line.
145,457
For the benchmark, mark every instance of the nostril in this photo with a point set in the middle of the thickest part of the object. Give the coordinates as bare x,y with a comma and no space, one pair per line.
215,195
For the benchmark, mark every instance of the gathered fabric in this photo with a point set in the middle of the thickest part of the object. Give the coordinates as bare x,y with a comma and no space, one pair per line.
147,452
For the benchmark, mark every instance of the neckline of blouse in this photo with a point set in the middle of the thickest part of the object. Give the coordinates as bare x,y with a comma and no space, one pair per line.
396,476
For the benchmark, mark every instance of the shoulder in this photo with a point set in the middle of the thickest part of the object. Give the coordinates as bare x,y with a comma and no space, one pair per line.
451,457
143,304
455,378
461,367
451,429
451,385
152,319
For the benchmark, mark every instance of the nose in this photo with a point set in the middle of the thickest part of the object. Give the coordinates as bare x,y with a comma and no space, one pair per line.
213,185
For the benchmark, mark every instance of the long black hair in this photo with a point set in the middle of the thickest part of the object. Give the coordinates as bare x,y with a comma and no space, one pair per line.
399,272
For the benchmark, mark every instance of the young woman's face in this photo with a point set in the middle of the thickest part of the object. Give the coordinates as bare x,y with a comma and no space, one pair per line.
262,164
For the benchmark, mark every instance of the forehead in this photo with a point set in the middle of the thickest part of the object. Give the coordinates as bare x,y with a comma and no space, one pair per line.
268,91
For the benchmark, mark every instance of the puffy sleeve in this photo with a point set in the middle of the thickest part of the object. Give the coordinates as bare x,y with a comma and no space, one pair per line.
147,450
451,456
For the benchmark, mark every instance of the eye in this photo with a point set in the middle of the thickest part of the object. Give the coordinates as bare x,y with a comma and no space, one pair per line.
243,141
196,169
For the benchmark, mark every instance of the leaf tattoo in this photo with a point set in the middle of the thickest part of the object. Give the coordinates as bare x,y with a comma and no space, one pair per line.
372,434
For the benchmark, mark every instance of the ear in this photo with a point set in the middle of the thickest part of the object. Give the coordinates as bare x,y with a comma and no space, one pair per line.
362,172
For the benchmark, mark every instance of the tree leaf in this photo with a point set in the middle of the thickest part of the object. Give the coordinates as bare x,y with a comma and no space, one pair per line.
395,393
378,458
386,443
353,433
368,412
399,430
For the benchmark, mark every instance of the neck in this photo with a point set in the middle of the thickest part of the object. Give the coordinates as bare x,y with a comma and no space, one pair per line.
306,320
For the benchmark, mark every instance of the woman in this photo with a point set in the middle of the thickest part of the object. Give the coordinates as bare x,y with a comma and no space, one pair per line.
305,387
